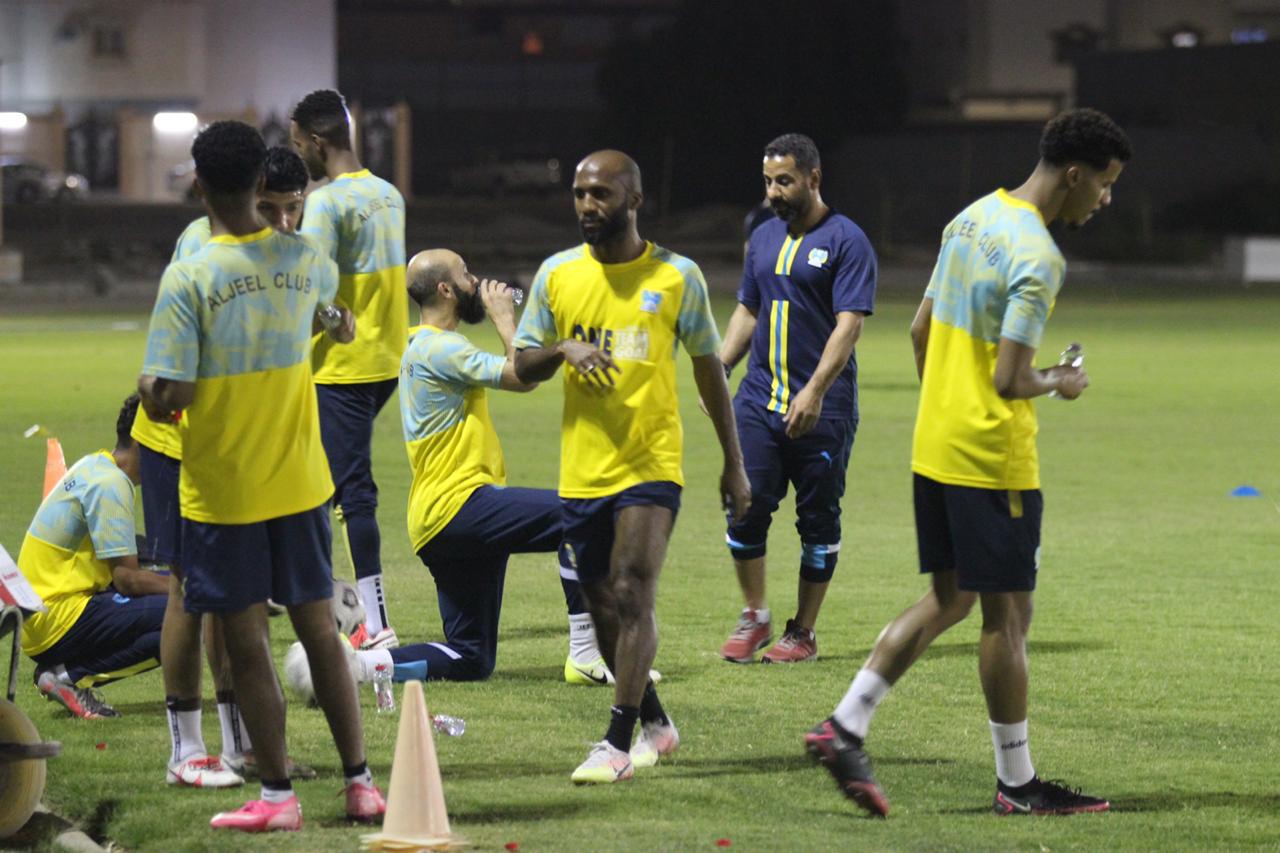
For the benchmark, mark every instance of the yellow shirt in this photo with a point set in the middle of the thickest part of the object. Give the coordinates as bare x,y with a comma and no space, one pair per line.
453,448
84,521
358,218
998,274
235,319
635,311
163,437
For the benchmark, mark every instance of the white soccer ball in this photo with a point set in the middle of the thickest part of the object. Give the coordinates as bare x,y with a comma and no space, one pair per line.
297,670
348,611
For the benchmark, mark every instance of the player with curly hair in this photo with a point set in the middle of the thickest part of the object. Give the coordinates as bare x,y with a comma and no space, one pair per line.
974,461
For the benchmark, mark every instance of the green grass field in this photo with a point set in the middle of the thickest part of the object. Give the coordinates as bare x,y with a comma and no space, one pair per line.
1153,651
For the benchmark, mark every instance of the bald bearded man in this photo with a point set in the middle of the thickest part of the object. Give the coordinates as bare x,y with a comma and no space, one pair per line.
463,522
613,310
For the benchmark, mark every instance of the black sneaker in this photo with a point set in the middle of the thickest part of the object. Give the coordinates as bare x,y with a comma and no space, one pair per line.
841,753
1044,796
83,702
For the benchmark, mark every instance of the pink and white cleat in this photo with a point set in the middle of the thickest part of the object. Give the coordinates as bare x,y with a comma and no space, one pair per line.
656,740
365,803
261,816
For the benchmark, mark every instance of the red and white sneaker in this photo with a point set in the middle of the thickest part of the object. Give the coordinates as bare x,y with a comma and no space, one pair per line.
203,771
365,803
82,702
261,816
748,638
362,641
797,644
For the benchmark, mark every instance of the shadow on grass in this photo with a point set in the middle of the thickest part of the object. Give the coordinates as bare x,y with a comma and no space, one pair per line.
42,830
143,709
1178,801
521,813
528,673
1034,647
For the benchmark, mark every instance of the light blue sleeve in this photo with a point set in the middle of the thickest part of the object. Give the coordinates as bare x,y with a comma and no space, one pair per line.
695,327
173,348
320,223
455,360
108,511
193,239
1034,281
537,325
327,281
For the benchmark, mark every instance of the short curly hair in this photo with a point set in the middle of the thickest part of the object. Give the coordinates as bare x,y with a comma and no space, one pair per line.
1084,136
324,113
285,171
229,156
124,421
797,146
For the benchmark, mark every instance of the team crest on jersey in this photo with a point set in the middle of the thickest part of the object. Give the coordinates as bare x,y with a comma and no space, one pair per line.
817,257
649,301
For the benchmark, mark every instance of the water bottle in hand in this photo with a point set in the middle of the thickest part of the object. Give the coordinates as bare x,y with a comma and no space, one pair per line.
517,295
1072,356
330,316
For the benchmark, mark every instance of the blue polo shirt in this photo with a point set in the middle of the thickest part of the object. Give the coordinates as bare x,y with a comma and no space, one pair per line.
795,285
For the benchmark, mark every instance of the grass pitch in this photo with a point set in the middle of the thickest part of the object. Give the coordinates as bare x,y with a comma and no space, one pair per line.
1153,650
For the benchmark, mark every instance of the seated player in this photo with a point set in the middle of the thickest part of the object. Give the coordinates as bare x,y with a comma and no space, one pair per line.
81,556
463,522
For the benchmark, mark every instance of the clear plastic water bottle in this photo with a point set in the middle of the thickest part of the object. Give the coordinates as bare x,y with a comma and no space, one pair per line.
1072,356
517,295
330,316
386,698
451,726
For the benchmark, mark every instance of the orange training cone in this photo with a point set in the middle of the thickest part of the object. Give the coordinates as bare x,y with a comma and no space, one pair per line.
55,465
416,818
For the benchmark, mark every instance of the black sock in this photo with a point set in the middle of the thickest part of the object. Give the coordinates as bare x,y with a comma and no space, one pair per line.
355,770
226,697
173,703
277,784
622,725
650,708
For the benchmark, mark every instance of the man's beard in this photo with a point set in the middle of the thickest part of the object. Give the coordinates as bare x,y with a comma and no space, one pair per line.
609,227
788,212
470,306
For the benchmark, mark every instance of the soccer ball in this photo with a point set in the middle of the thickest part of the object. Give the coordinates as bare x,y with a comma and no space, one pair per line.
297,670
348,611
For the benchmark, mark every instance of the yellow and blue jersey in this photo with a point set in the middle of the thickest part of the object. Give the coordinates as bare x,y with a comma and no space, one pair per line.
84,521
997,276
235,319
359,219
163,437
795,285
453,448
635,311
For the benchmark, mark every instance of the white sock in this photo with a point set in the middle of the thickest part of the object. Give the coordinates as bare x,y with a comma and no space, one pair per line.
375,604
371,660
859,704
583,647
184,734
235,737
762,615
1013,755
276,796
365,778
60,673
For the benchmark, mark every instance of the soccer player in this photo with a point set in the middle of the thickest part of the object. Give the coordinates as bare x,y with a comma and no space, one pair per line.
160,448
464,521
229,343
80,556
358,218
613,310
280,201
976,472
812,273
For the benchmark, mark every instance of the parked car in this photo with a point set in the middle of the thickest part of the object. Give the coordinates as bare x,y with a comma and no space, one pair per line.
27,180
508,176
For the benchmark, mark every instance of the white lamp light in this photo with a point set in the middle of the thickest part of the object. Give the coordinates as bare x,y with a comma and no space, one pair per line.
13,121
175,122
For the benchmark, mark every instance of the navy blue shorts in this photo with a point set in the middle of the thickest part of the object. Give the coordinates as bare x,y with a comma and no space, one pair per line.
347,413
589,525
159,476
116,636
815,463
989,537
227,567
